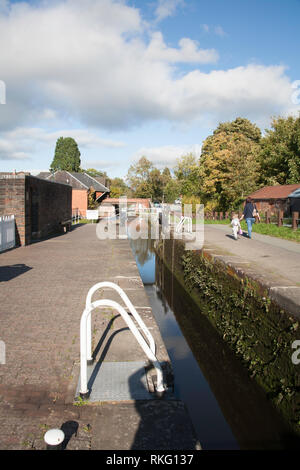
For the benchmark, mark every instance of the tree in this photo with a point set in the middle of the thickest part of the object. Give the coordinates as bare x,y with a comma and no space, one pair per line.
280,153
156,182
95,173
240,126
172,191
187,174
119,188
229,165
166,176
92,204
66,156
139,173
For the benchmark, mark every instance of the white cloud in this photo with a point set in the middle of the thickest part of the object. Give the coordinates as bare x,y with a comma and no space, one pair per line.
92,62
100,164
166,155
167,8
218,30
205,28
12,151
21,142
188,51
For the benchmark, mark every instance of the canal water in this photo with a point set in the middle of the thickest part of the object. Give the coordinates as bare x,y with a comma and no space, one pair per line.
227,408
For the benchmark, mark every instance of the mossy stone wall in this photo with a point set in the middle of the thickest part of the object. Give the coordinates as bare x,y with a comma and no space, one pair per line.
257,330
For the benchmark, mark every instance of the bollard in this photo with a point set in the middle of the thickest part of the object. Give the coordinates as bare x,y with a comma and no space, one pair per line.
295,217
54,439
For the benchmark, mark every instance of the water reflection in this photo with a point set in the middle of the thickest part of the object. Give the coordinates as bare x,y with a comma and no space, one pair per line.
145,258
228,409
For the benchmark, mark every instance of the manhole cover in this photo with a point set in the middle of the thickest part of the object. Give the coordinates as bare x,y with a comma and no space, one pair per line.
117,381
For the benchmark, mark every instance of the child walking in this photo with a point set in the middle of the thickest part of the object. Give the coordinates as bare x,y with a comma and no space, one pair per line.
236,226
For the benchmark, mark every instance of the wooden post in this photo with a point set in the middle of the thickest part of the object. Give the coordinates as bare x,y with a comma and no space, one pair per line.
267,217
221,216
280,218
226,215
295,217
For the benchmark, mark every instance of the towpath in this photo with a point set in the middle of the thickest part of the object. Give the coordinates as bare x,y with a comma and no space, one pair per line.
43,289
274,262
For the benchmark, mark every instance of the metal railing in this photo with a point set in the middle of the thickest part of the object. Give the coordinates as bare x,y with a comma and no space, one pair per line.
86,333
76,216
186,223
7,232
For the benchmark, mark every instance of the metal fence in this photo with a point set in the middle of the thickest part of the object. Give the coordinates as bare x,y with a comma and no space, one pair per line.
7,232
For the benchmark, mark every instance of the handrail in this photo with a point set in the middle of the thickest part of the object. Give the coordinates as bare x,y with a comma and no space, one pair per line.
182,221
83,346
112,285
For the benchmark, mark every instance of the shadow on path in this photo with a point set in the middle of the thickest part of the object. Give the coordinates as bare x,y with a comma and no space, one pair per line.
10,272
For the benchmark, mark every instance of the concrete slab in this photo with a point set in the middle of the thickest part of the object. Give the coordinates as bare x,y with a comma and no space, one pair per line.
117,381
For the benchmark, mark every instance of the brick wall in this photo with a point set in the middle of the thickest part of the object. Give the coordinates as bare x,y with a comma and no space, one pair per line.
51,202
272,205
80,201
98,194
12,202
38,205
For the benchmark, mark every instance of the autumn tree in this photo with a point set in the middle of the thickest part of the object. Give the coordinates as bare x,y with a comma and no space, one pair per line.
138,173
119,188
229,164
146,181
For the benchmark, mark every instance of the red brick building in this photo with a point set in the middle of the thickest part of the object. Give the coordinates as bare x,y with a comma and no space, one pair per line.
82,184
39,206
274,198
133,204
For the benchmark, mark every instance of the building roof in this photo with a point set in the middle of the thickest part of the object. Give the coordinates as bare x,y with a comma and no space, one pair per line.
116,200
83,179
275,192
88,181
43,174
295,193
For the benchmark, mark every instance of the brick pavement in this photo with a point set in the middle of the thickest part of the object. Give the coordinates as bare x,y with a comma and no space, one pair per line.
43,288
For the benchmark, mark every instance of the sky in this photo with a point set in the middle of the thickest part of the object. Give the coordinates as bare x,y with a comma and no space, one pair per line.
132,78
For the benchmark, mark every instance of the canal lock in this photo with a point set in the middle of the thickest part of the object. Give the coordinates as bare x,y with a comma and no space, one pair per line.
230,375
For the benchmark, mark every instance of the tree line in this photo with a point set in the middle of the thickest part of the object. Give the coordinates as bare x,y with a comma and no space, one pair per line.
236,159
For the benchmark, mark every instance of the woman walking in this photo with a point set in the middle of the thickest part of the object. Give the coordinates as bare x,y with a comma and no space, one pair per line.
249,214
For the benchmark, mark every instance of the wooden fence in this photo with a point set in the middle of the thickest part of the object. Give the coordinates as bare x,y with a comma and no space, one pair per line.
268,218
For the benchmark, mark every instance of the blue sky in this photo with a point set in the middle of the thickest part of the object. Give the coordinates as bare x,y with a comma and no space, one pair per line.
132,78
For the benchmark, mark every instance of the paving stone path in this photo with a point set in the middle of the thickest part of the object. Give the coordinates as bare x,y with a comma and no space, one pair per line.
43,288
